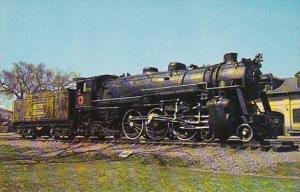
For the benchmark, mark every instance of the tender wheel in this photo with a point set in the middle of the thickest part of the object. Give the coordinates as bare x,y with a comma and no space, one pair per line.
208,135
56,135
131,126
22,133
183,134
245,133
155,129
33,136
33,133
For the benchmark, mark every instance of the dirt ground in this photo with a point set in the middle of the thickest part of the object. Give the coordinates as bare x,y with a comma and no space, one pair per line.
209,158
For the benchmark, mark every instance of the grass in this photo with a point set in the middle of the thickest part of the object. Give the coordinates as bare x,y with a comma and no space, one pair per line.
132,174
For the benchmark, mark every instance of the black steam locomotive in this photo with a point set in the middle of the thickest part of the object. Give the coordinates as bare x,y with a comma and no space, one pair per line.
208,102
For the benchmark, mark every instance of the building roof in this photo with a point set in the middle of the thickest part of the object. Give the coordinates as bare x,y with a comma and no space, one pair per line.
290,85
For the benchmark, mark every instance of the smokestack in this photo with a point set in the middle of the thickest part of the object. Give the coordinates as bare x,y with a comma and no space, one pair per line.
230,57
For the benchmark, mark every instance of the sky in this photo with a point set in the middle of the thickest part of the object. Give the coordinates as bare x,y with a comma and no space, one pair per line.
114,37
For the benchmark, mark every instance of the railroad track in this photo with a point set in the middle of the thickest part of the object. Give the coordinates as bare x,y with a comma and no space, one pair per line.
275,145
278,145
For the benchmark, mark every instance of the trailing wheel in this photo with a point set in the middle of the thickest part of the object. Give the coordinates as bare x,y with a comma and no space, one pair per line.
132,124
208,135
84,130
245,133
96,128
183,134
157,129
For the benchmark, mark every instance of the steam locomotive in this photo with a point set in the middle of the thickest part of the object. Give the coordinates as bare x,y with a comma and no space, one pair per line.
208,102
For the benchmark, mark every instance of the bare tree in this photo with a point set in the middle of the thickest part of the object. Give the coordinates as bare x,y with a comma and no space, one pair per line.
26,78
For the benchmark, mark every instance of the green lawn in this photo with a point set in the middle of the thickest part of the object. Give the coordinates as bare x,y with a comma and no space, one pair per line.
128,175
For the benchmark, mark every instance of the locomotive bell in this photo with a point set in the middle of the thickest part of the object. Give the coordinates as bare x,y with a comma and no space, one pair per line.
230,57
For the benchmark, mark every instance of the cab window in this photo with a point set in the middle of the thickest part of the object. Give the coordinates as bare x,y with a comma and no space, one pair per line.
84,87
80,87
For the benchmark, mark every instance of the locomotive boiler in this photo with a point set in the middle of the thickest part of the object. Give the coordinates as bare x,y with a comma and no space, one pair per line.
208,102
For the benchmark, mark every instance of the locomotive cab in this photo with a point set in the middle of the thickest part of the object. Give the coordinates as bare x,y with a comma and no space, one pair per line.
92,88
84,90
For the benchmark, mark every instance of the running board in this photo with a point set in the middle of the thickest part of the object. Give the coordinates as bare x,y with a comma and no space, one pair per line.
195,128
